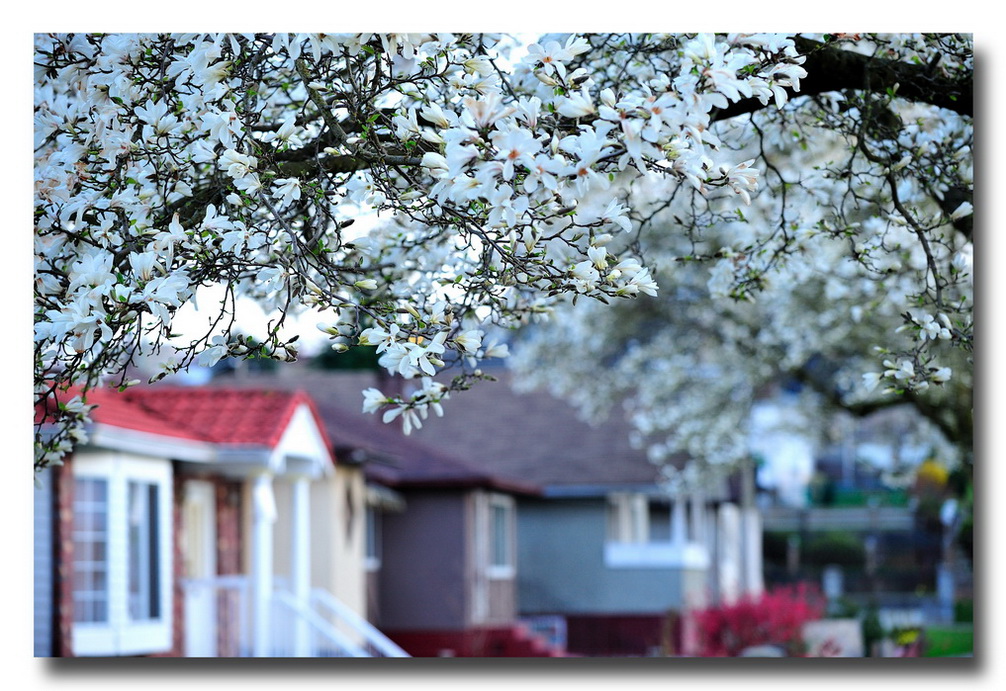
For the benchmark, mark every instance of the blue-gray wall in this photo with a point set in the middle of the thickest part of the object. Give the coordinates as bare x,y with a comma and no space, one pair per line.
44,578
561,570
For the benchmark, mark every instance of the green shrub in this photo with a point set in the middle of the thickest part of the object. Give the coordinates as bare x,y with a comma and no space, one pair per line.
839,548
775,546
964,611
966,538
872,630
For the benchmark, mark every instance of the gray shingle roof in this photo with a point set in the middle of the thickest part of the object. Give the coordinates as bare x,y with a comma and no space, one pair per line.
490,431
536,436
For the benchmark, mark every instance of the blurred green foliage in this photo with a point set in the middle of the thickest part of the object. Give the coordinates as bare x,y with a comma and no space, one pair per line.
839,548
964,611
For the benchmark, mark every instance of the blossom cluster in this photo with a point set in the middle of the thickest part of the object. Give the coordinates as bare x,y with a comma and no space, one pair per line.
849,273
164,163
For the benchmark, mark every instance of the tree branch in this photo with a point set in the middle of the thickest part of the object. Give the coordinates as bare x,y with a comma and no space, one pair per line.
954,422
326,113
830,68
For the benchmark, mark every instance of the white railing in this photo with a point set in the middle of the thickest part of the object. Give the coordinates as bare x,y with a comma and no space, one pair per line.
551,628
230,604
323,627
298,631
374,642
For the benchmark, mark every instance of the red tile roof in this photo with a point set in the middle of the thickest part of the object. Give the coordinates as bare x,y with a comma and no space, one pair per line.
215,415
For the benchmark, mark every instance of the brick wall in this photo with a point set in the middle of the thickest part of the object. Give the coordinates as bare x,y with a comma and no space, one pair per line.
229,562
63,478
178,573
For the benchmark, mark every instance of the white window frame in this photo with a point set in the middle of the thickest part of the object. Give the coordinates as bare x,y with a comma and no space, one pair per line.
628,544
119,634
507,567
627,518
91,567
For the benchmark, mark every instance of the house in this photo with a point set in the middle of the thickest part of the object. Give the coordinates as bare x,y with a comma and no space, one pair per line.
201,522
441,531
606,553
605,561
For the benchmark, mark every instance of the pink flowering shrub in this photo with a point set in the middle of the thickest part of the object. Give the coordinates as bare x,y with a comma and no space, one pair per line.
772,618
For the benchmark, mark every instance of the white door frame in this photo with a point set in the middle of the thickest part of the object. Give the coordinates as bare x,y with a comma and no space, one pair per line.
200,535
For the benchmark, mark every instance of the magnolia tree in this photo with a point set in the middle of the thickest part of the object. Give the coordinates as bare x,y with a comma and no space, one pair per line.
849,270
512,177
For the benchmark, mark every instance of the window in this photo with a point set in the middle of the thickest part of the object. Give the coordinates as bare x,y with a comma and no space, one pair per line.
636,518
640,535
501,536
627,517
90,547
372,556
144,590
658,522
122,554
500,541
350,513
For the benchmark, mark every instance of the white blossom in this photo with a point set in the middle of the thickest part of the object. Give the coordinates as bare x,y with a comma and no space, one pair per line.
165,163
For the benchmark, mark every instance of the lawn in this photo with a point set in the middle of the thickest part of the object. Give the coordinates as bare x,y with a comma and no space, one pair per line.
946,641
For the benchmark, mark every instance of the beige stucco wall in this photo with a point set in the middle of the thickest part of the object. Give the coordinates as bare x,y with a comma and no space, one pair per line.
337,515
337,535
338,558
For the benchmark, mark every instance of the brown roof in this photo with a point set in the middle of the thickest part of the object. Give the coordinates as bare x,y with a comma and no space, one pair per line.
524,438
391,457
537,436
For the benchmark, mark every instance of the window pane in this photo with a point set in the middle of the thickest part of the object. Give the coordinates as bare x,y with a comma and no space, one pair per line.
614,521
373,533
500,536
99,579
90,539
155,552
99,610
660,522
144,552
83,611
